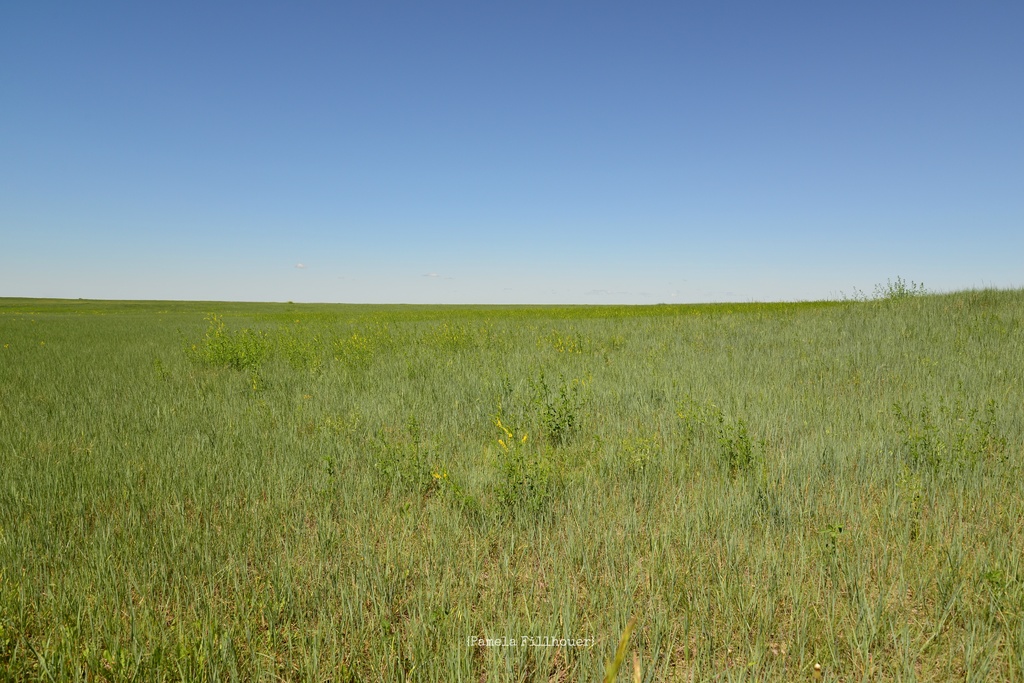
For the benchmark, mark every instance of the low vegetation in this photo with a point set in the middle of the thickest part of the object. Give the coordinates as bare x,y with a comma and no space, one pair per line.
201,492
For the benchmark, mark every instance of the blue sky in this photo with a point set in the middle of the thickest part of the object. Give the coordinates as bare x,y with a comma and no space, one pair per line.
527,152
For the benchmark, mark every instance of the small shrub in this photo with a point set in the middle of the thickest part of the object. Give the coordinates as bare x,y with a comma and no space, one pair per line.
553,414
638,452
447,488
910,488
359,349
302,353
705,423
951,436
899,290
831,535
448,338
355,351
699,419
402,460
527,478
571,342
245,349
559,411
161,372
736,448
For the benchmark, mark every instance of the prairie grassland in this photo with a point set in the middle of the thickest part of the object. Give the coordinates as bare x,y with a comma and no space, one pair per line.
201,491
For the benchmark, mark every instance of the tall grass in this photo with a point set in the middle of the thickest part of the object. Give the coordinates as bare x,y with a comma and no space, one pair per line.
264,492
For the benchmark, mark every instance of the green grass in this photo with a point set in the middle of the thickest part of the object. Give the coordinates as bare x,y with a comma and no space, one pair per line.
206,491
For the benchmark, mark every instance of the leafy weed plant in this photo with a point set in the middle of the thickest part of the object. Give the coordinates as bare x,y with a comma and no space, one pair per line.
244,349
403,461
704,423
899,290
528,478
952,436
559,410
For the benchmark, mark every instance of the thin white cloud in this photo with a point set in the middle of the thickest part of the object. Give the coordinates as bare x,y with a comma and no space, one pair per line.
430,275
300,266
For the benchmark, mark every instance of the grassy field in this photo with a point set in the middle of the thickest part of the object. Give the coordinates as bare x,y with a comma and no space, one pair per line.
207,491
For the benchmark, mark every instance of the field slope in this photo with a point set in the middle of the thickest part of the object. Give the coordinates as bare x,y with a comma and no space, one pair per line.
209,491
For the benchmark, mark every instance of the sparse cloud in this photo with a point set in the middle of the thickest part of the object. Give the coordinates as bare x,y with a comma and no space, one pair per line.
430,275
300,266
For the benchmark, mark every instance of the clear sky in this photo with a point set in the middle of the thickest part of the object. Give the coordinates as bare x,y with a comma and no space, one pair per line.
509,152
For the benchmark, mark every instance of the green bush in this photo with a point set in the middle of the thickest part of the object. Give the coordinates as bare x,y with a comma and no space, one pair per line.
559,411
527,476
704,424
244,349
898,290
